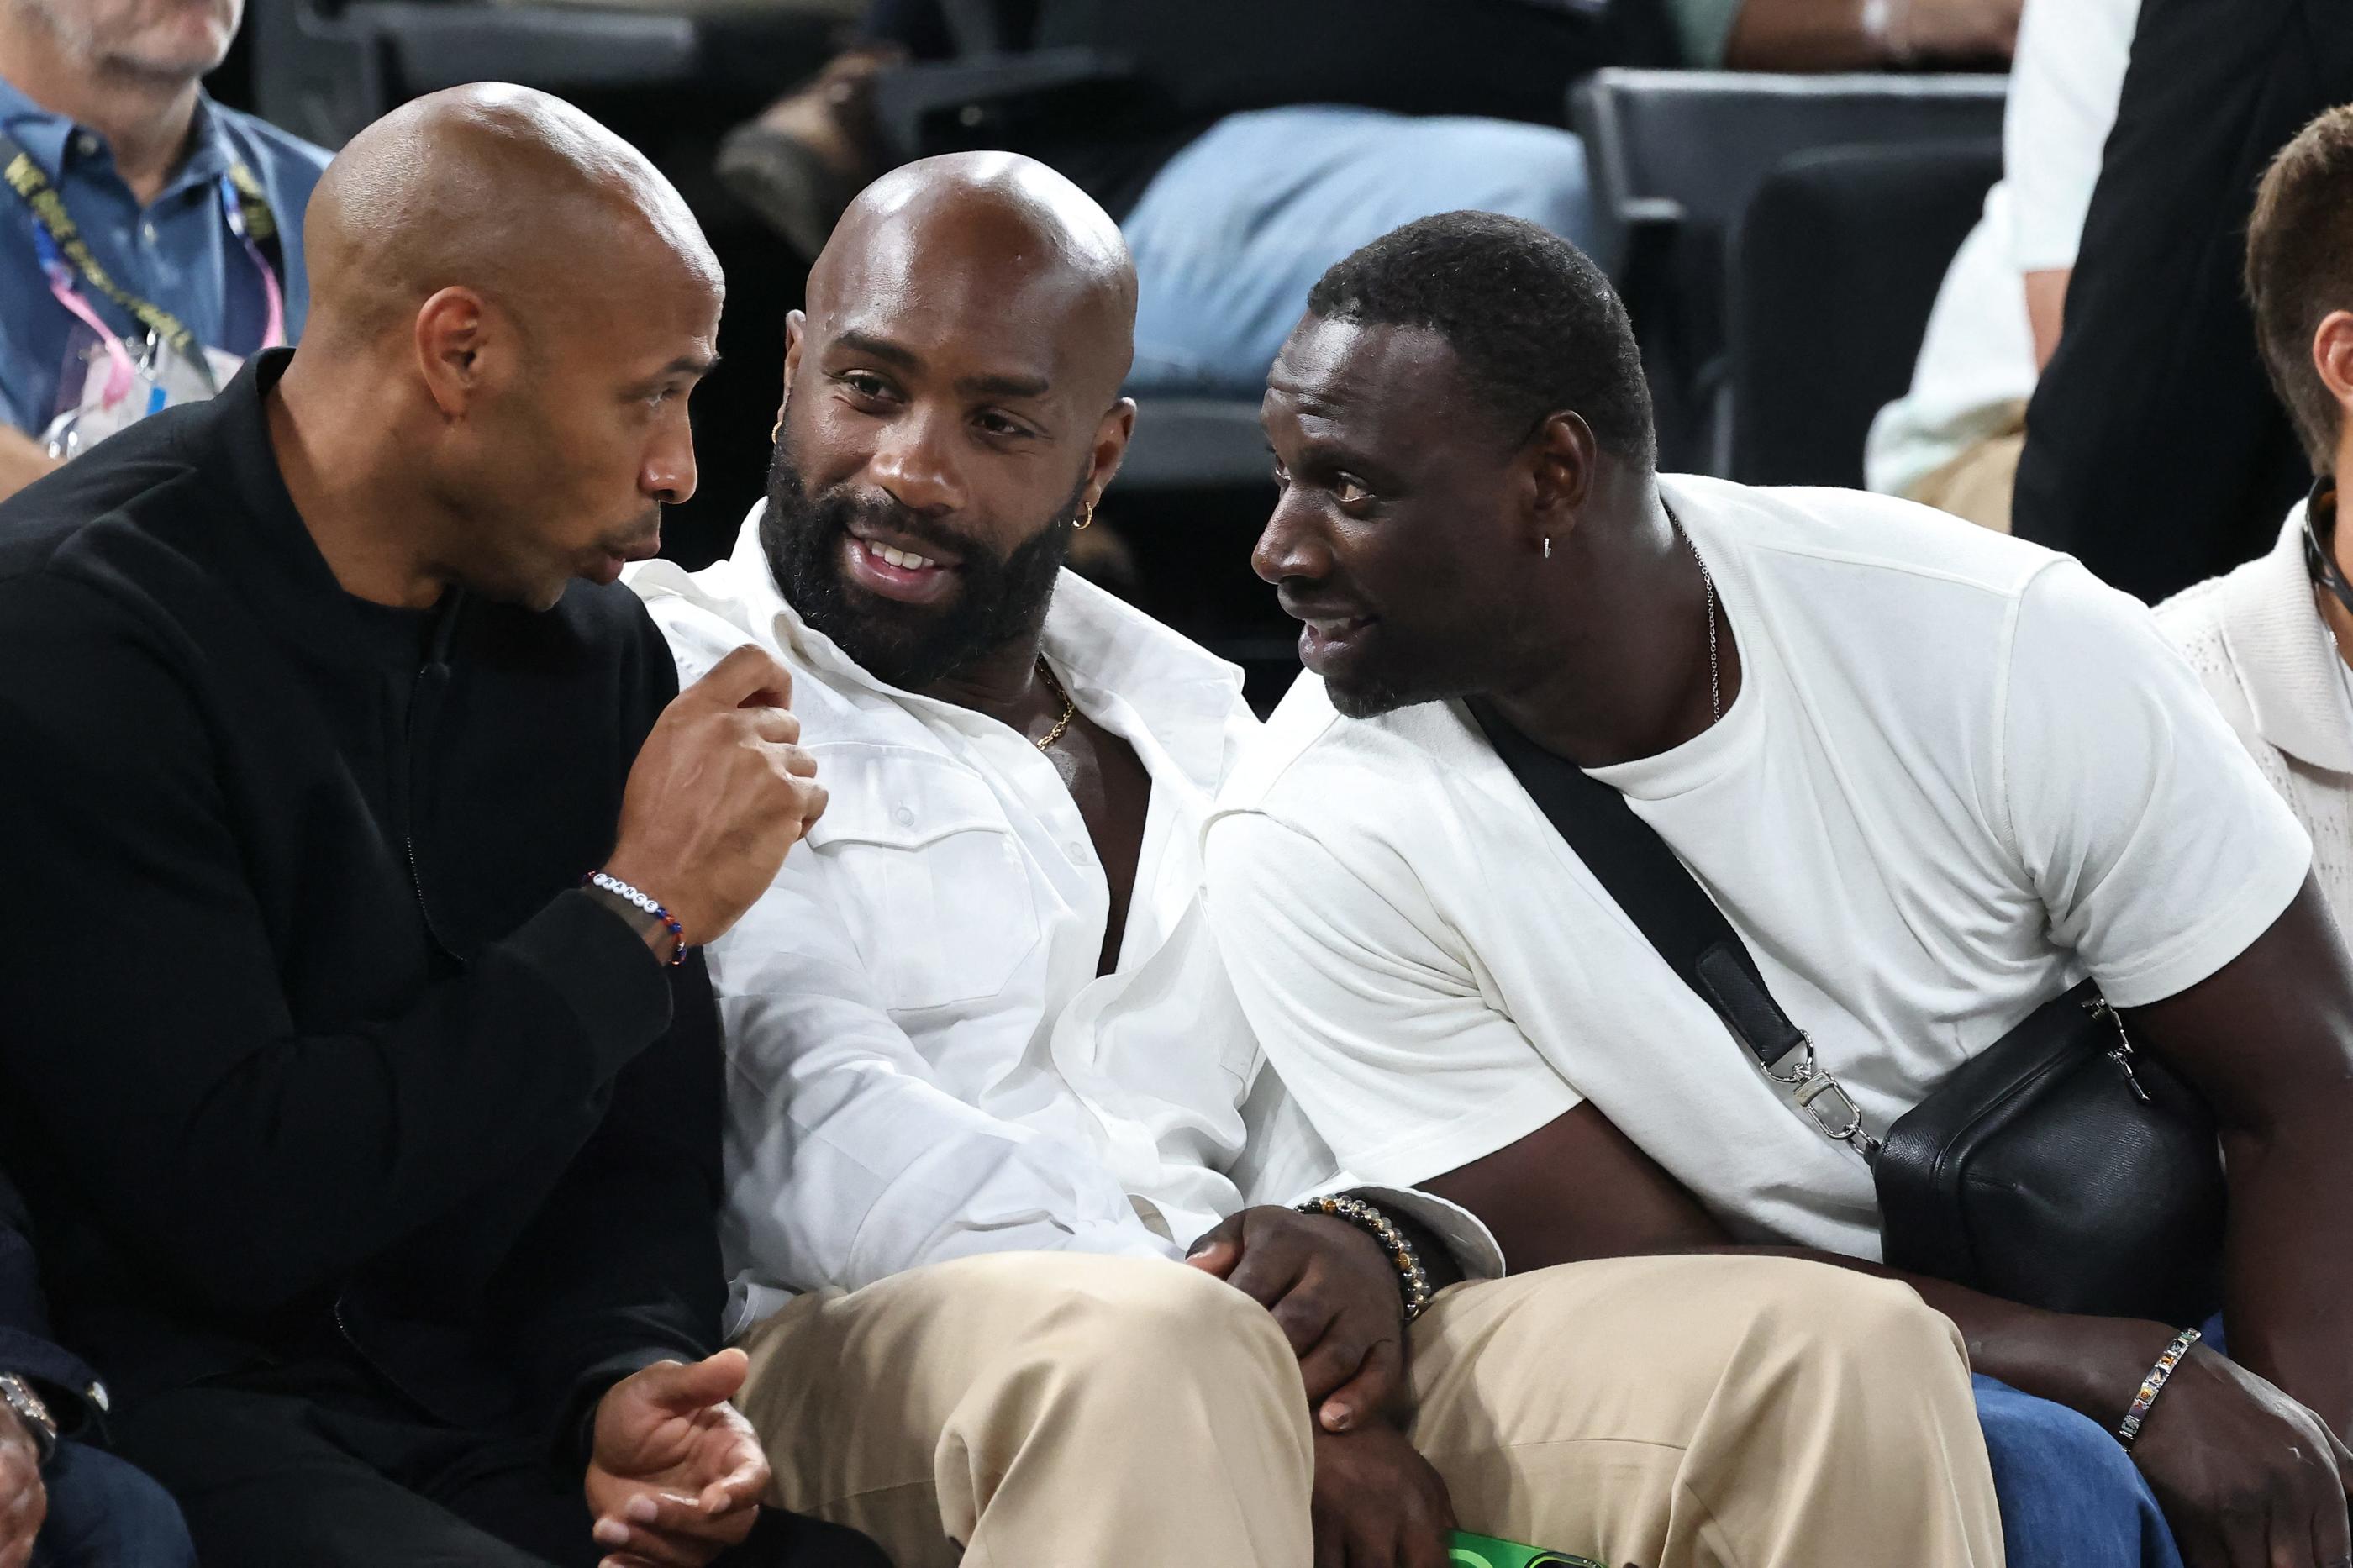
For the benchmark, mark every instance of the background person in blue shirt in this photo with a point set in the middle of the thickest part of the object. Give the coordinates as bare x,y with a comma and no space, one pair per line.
104,97
64,1502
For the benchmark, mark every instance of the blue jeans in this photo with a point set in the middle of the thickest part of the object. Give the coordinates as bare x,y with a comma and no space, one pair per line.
106,1514
1233,233
2071,1496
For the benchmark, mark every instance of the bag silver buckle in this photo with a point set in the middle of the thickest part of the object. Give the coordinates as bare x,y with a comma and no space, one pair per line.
2121,1053
1825,1100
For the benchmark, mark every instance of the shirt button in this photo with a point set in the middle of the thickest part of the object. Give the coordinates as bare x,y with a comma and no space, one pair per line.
904,816
148,231
1077,850
86,145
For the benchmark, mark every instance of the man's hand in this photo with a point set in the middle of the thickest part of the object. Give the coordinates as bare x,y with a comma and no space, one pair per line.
677,1472
23,1501
1377,1503
2246,1475
22,460
720,792
1333,1293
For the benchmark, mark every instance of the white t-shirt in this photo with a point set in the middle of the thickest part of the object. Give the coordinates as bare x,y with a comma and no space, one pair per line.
1959,775
1977,363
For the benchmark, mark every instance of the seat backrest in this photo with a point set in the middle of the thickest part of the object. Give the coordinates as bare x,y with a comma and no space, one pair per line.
1690,148
1835,267
1674,158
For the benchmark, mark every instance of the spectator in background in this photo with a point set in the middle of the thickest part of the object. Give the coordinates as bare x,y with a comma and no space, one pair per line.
2277,668
75,1505
1263,139
149,239
1953,440
2155,451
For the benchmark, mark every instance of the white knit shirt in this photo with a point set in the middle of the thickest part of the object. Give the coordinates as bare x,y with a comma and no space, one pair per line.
2256,639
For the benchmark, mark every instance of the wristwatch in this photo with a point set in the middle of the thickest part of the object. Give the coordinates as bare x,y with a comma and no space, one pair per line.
19,1395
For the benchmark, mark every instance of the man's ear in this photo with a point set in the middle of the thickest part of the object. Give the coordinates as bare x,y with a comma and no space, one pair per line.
456,348
1562,455
2332,356
795,339
1111,434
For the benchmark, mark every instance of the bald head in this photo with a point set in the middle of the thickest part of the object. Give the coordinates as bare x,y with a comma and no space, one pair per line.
988,236
508,310
952,416
506,191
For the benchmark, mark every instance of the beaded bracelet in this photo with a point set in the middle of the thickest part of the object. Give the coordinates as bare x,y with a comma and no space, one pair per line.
2153,1385
1413,1285
621,890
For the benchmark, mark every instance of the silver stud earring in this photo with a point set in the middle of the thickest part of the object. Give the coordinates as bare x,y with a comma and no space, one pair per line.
1547,546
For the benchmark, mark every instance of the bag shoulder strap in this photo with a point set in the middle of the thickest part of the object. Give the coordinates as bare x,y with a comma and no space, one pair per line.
1657,890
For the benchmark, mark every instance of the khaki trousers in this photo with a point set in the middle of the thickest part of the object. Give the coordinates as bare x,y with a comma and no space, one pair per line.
1062,1411
1976,485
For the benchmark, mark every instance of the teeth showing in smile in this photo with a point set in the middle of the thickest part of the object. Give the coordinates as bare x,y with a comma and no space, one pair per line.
905,560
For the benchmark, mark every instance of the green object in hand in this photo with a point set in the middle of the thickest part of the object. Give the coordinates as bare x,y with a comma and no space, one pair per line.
1465,1550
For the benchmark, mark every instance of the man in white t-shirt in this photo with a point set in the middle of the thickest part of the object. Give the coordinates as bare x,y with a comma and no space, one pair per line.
1954,439
1933,777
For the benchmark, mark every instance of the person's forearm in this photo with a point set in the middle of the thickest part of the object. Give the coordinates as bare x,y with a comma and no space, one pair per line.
22,460
1805,36
260,1168
2288,1287
1869,34
2046,310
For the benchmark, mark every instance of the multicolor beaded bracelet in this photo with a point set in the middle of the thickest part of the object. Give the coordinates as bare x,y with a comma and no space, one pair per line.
1412,1283
621,890
2154,1383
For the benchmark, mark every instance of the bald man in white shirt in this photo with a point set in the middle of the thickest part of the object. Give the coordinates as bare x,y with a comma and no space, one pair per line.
988,1084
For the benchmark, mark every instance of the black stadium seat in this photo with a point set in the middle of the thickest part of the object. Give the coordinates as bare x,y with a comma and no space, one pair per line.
1676,158
1835,266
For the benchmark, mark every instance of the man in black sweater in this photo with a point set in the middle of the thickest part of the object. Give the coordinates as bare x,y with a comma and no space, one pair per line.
373,1158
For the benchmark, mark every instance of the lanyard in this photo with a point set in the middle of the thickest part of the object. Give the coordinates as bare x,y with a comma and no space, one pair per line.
64,253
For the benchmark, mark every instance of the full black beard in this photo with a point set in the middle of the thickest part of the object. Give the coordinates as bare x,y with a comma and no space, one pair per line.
1000,598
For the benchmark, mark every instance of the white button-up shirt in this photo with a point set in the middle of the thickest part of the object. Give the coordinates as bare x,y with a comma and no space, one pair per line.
922,1062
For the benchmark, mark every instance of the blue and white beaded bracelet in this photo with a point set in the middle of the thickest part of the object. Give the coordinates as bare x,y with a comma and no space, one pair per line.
621,890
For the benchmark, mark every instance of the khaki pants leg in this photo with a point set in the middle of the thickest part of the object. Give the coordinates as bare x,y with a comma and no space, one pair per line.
1048,1410
1740,1412
1976,485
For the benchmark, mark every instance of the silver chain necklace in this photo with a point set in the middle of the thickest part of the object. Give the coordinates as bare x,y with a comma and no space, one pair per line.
1715,670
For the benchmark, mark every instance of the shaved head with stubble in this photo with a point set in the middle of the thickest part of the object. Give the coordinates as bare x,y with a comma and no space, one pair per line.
952,410
508,308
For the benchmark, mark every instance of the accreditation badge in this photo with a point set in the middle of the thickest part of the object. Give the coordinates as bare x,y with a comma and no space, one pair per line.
106,386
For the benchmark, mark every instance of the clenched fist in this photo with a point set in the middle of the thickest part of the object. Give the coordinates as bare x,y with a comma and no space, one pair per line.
721,791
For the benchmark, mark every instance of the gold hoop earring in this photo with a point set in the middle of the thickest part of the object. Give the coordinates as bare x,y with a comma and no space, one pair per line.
776,431
1086,518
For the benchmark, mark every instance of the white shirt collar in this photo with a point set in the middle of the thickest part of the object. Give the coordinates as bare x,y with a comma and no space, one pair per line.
2294,680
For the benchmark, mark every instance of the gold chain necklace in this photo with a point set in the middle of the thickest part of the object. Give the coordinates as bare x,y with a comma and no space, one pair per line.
1069,706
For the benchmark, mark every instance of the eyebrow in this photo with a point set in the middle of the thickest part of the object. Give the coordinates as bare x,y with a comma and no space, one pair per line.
889,352
697,366
882,349
1323,454
1016,386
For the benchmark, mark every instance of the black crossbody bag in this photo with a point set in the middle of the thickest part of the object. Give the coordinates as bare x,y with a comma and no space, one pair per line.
2058,1167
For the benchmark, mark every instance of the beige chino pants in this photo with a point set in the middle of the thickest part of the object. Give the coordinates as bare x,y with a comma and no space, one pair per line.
1053,1410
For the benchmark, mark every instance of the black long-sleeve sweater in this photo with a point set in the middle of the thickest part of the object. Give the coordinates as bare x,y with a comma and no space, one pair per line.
307,1045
